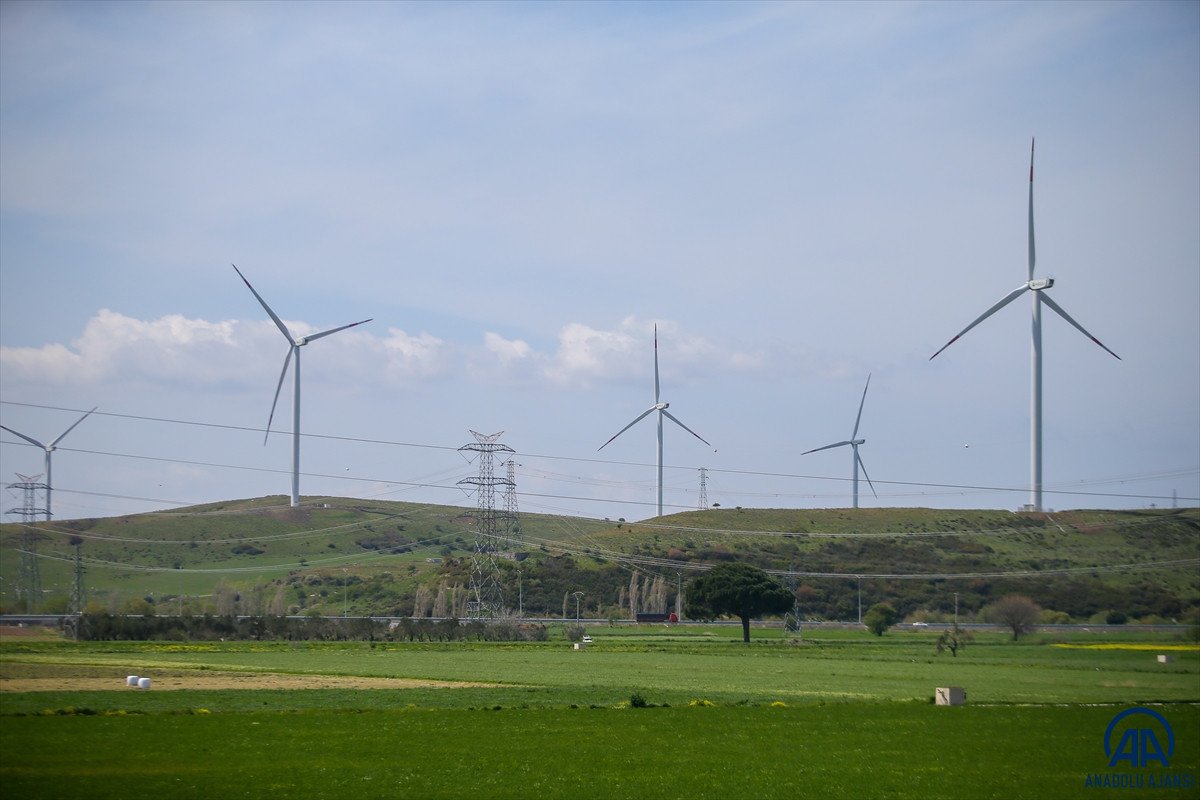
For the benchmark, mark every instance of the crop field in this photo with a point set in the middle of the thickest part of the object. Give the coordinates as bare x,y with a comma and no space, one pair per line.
647,713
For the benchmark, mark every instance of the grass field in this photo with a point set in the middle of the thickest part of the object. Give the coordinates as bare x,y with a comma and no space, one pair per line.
842,714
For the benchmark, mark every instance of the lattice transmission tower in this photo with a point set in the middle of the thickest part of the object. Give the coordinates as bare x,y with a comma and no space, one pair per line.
486,591
29,579
512,522
77,597
703,504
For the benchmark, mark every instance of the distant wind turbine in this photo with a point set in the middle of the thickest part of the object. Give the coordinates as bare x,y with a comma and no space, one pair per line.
661,408
49,448
1037,287
294,346
854,442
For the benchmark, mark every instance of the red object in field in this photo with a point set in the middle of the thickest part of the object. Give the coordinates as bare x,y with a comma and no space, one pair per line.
673,617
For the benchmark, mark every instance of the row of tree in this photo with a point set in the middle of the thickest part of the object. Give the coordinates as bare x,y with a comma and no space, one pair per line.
207,627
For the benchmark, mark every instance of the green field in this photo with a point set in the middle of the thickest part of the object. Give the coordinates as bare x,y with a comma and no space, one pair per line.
841,714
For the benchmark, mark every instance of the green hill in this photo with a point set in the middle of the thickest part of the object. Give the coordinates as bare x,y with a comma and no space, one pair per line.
339,555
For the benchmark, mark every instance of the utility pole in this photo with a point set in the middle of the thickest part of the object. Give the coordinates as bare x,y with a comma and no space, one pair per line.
679,595
577,596
860,599
486,595
703,488
956,609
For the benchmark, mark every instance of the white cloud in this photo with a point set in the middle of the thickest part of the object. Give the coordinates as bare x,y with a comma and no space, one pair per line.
587,354
506,350
407,357
115,348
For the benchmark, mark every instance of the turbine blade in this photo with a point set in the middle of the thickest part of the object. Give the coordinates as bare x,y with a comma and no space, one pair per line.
863,467
1058,309
1032,253
656,364
826,447
286,362
1008,298
31,440
322,334
675,419
68,430
858,419
278,322
636,420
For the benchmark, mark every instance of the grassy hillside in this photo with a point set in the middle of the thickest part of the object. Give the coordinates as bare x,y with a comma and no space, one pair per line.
339,555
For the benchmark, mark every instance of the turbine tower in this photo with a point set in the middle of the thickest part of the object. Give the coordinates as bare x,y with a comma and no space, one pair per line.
661,408
49,448
854,442
1037,287
294,346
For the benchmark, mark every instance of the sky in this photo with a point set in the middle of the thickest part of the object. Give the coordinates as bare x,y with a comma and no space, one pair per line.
797,195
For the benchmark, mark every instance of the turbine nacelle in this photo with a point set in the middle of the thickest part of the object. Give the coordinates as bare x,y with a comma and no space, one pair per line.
1039,284
661,406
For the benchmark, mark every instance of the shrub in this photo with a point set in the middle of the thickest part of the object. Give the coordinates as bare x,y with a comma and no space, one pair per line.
879,618
637,701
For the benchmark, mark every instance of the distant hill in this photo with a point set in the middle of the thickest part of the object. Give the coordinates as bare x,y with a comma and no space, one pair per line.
339,555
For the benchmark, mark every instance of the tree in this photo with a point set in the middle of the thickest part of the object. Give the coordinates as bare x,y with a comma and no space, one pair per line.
879,618
740,590
954,639
1016,612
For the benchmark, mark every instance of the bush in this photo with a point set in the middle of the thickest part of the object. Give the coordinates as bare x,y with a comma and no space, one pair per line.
637,701
575,633
879,618
1116,618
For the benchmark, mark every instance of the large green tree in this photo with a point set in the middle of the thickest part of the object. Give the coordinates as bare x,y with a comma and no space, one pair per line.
739,590
880,617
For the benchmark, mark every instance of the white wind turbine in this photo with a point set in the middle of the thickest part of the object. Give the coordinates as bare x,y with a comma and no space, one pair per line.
1037,287
294,346
661,408
49,448
854,442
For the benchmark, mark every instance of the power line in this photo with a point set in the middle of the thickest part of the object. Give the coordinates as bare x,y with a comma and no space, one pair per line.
747,473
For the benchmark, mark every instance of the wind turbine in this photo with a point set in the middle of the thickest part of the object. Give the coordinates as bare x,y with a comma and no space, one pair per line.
49,448
854,442
661,408
294,346
1037,287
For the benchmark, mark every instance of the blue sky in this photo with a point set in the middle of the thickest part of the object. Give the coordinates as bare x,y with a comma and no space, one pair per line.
797,194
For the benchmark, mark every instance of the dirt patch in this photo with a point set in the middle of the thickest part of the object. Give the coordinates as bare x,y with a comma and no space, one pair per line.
29,632
224,680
